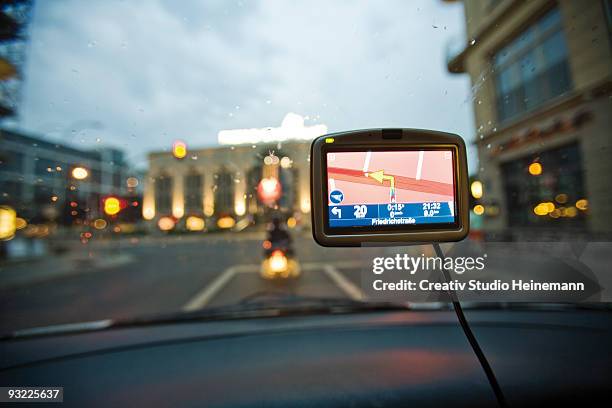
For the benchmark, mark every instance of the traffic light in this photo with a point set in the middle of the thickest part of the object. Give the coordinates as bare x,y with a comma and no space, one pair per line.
112,206
476,193
179,149
122,209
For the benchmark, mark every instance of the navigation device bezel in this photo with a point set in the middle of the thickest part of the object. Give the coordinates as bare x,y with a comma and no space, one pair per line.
386,140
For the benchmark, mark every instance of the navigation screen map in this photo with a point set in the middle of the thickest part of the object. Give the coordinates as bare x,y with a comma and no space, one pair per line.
382,188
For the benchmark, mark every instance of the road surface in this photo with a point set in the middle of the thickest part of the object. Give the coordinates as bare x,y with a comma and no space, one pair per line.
164,275
144,276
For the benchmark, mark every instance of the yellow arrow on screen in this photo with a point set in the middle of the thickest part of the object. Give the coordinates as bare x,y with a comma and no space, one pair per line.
380,176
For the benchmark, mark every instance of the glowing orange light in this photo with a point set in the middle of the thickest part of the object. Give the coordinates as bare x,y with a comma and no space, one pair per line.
193,223
112,205
269,190
476,189
226,222
535,169
80,173
278,261
267,244
99,224
582,204
132,182
544,208
20,223
165,223
291,222
179,149
570,212
8,218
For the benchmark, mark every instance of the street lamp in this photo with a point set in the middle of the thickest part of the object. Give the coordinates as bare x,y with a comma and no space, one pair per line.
80,173
535,169
476,189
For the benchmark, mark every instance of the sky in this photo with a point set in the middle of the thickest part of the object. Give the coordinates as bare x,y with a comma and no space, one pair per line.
138,75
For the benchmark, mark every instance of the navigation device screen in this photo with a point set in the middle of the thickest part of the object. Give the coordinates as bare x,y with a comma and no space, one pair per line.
384,188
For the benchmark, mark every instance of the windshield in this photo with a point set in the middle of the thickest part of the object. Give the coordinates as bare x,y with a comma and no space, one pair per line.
154,155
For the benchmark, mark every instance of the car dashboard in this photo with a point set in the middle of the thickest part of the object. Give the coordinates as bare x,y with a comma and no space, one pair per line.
391,358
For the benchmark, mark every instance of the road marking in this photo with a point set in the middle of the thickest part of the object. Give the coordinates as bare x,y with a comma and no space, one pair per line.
366,163
348,287
114,261
332,184
203,297
306,266
419,165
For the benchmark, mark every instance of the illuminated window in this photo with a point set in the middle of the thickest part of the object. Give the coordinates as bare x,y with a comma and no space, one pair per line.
560,184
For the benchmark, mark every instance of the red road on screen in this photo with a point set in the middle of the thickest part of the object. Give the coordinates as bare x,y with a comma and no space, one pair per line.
401,182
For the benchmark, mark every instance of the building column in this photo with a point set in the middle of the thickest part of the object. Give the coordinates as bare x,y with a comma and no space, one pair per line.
148,197
208,199
595,149
303,169
240,192
178,197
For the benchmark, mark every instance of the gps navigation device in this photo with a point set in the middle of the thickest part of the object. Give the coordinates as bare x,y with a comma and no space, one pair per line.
388,185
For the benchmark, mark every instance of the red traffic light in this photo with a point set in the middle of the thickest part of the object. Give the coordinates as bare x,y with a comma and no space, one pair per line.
269,190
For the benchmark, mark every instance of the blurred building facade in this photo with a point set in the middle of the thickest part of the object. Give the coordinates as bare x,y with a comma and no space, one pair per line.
14,19
37,179
220,182
541,74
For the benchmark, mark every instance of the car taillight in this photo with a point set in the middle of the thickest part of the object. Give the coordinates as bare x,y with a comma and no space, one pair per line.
278,261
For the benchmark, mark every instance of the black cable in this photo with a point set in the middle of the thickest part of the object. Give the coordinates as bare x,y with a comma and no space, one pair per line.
470,335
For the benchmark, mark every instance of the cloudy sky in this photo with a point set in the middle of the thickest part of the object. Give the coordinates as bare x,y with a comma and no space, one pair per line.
139,74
